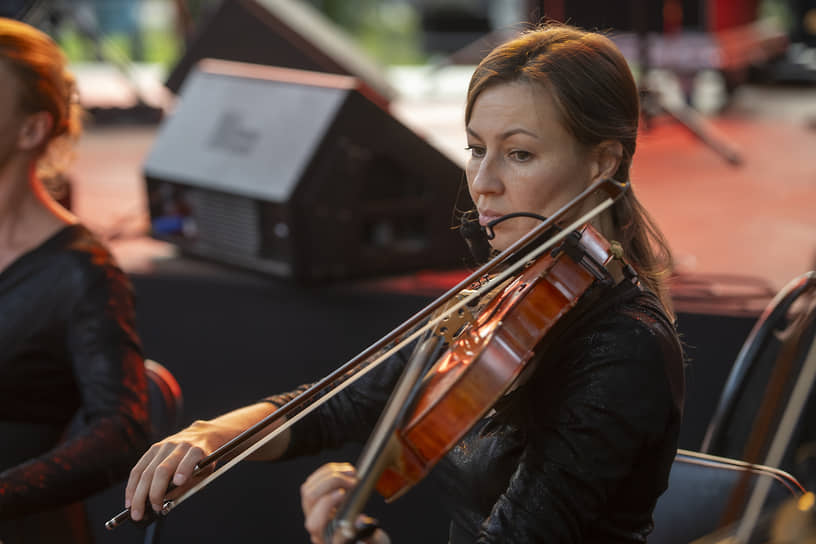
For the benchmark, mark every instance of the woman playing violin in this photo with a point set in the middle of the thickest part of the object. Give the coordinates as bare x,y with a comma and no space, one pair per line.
580,450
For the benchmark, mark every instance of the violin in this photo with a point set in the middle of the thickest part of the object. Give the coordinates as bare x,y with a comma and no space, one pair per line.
491,353
532,286
488,357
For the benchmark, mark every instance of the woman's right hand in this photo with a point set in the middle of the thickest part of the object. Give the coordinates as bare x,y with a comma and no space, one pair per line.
174,459
171,460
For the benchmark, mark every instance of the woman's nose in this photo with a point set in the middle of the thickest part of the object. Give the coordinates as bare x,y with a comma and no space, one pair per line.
486,177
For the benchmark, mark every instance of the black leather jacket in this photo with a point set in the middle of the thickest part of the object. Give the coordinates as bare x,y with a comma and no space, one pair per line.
579,453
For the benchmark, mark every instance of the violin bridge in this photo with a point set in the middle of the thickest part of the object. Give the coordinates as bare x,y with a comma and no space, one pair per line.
453,323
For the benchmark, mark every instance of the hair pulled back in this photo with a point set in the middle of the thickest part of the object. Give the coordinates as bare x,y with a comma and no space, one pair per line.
597,99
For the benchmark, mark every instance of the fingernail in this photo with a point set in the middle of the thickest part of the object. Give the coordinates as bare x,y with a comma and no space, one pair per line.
127,503
135,514
178,478
155,507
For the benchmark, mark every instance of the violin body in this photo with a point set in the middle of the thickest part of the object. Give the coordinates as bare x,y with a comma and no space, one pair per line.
490,355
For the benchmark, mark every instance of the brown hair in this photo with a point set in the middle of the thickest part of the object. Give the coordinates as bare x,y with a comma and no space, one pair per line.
45,84
597,98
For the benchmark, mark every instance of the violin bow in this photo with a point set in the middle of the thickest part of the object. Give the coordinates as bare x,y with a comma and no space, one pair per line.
294,410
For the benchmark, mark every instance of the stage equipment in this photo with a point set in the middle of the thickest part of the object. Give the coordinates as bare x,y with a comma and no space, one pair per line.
300,175
651,100
635,26
282,33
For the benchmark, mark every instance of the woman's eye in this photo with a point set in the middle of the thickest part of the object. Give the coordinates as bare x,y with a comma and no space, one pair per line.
475,151
521,156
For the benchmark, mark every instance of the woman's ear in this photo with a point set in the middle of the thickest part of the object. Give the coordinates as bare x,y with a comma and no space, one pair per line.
607,159
35,131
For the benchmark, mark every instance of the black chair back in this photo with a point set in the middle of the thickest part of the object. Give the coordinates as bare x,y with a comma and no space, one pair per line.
788,324
165,400
700,488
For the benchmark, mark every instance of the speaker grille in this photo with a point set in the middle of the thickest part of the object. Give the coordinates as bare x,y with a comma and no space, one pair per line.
226,222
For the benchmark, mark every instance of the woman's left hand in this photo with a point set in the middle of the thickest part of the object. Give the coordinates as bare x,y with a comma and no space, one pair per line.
322,493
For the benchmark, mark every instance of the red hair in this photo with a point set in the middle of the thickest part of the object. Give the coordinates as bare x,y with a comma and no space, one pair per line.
40,69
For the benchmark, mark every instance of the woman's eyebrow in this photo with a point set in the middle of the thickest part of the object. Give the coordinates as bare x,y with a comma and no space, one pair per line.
519,130
506,134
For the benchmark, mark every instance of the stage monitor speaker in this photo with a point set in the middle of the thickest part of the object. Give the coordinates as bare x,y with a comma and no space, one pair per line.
282,33
299,174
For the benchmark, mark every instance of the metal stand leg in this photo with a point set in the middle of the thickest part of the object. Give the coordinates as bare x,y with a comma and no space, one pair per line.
652,104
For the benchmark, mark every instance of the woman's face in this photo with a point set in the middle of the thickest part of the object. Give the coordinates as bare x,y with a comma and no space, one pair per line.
522,158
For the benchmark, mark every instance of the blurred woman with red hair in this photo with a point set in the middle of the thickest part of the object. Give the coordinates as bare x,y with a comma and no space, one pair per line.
73,395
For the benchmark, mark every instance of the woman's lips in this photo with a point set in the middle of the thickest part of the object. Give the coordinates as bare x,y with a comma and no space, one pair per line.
487,216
